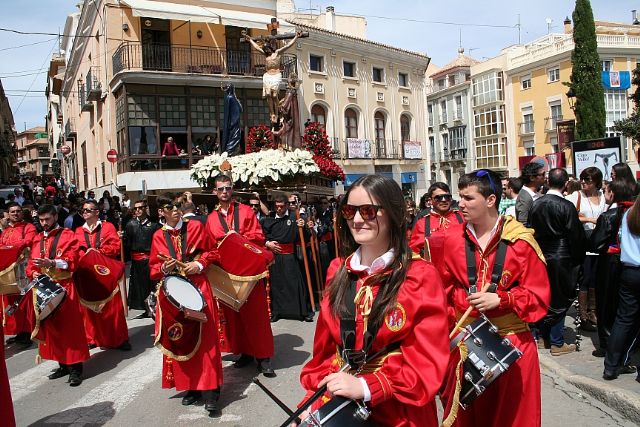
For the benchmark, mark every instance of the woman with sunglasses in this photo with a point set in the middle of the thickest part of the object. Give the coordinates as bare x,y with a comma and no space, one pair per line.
385,303
428,240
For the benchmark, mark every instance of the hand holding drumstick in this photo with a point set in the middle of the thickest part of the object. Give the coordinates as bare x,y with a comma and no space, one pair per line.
482,301
170,264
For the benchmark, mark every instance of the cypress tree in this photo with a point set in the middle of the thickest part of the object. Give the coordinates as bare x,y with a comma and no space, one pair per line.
586,75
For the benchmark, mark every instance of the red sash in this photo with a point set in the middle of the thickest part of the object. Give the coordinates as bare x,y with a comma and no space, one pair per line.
178,337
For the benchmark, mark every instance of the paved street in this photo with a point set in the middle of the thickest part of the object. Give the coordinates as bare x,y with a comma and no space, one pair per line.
124,389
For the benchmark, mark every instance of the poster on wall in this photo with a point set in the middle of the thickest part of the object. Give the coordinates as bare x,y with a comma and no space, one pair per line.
358,148
412,149
602,153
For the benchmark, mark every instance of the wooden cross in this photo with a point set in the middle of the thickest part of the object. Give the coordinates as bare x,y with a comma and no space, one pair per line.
274,36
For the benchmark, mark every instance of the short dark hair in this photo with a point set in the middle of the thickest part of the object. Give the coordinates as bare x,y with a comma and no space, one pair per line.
91,202
530,170
47,209
11,205
165,199
487,181
593,174
621,190
558,177
222,178
515,184
438,186
188,206
280,199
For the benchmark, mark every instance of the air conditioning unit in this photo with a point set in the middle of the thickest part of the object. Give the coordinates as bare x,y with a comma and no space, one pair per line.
318,88
380,97
405,100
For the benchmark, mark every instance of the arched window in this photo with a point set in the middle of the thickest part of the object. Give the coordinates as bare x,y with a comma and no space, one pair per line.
405,127
351,123
378,119
319,114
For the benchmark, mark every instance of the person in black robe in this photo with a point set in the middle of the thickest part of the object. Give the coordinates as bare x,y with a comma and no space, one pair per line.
561,237
325,234
231,134
604,241
137,237
289,296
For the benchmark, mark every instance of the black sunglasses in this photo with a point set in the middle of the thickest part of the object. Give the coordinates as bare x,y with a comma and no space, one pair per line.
367,212
171,206
139,208
443,198
254,205
88,210
221,189
483,172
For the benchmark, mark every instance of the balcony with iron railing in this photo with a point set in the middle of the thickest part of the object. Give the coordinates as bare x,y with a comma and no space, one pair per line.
526,128
69,129
383,149
551,123
134,56
93,87
83,102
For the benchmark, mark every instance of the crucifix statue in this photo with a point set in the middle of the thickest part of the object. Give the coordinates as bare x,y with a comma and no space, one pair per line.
272,77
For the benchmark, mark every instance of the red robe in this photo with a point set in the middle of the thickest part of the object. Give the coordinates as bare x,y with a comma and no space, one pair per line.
23,319
439,225
514,398
404,388
247,331
62,336
203,371
6,403
108,328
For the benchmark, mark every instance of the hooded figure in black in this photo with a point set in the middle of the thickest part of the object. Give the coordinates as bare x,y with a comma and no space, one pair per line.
231,134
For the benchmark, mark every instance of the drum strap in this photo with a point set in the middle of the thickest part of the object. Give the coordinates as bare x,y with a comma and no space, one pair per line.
183,243
498,265
86,238
348,328
52,250
236,220
458,217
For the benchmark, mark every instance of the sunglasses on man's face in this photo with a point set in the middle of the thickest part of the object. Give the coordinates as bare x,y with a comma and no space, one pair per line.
254,205
139,208
443,198
223,189
88,210
171,206
367,212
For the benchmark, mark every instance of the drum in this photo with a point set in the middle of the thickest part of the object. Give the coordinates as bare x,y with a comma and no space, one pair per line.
339,412
489,356
13,269
242,264
49,296
185,296
96,279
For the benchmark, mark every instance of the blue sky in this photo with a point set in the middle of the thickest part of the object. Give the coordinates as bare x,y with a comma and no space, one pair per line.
391,22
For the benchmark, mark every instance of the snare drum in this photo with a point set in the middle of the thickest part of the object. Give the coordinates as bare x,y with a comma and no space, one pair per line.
339,412
185,296
489,356
49,296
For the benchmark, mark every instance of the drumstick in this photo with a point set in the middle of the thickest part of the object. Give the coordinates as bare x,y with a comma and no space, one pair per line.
303,247
466,313
168,258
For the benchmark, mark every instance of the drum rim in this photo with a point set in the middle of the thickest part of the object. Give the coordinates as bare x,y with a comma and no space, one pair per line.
173,300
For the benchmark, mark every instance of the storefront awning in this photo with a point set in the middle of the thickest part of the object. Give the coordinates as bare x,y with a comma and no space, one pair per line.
184,12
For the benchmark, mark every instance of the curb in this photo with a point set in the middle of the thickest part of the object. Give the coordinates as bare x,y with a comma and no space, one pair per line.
623,401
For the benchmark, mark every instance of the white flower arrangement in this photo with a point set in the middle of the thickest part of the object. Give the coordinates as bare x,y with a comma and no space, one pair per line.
254,168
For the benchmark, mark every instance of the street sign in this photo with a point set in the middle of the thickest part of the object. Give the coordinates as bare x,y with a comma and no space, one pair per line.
112,155
65,149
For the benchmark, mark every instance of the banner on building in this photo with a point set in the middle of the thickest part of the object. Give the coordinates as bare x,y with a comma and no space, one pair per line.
412,149
602,153
616,79
566,133
358,148
548,161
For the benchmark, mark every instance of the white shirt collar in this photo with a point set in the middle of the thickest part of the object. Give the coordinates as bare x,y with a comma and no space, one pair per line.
555,192
46,233
379,264
493,230
90,229
188,215
286,214
533,194
177,227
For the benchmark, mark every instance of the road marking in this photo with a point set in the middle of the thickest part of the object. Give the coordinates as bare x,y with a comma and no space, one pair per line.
28,382
119,391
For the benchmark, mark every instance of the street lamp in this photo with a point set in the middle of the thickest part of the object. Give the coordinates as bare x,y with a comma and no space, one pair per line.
571,97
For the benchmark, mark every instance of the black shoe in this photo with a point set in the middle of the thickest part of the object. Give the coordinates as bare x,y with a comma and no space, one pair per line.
92,346
243,361
264,367
274,319
211,405
587,325
75,379
62,371
309,318
191,397
125,346
143,315
599,352
11,340
608,375
627,369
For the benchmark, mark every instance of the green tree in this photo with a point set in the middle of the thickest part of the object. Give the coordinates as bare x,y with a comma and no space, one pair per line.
586,75
630,127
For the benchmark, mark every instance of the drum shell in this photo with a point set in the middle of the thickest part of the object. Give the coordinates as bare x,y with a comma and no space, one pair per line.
189,313
48,296
232,290
345,417
13,266
96,278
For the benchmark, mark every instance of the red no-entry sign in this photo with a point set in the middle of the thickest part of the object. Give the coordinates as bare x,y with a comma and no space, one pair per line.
112,155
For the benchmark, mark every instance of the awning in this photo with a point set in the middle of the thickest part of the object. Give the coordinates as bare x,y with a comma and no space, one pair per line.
408,177
350,178
184,12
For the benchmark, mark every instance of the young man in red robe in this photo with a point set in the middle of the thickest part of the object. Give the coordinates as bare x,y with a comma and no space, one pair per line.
108,328
441,219
191,354
61,337
521,297
248,331
17,233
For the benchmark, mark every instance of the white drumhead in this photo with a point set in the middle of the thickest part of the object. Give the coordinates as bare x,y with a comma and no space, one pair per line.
184,293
